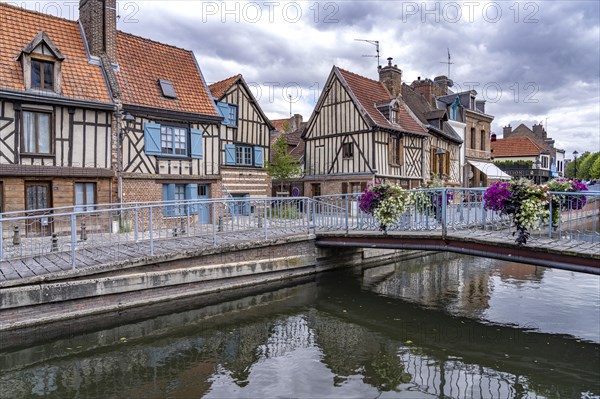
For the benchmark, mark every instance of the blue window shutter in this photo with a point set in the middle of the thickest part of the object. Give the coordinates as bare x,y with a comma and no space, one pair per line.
191,193
168,195
152,138
224,109
258,156
196,136
232,115
229,154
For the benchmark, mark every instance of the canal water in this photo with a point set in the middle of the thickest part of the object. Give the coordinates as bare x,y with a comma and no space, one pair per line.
442,326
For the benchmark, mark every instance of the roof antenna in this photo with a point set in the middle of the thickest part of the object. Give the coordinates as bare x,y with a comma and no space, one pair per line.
374,43
448,62
290,97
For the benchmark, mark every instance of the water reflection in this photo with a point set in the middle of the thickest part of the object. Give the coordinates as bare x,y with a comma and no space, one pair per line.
409,330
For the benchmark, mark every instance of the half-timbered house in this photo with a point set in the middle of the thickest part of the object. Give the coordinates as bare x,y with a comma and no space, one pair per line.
443,147
361,131
55,116
168,137
245,136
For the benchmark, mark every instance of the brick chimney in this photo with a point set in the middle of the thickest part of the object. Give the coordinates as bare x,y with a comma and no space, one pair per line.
443,83
99,21
539,132
391,77
296,121
506,131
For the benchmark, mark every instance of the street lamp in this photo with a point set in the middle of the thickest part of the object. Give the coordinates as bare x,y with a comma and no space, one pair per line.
575,153
440,153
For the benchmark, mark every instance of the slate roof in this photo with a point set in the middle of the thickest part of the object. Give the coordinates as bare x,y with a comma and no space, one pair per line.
142,62
218,89
515,147
18,28
424,111
369,93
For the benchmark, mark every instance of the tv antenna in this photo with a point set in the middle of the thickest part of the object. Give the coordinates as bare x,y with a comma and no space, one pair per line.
448,62
374,43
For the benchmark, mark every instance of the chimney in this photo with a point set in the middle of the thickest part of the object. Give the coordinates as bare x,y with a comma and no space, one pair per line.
296,121
506,131
443,83
539,132
390,76
99,21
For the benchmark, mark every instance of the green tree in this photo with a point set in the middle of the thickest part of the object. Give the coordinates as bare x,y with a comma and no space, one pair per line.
282,166
586,166
595,169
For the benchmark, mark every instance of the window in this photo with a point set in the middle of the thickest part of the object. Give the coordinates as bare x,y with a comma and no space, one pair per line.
394,115
229,113
243,155
36,132
173,140
180,193
483,140
473,139
42,75
168,140
440,163
544,162
396,151
85,197
348,150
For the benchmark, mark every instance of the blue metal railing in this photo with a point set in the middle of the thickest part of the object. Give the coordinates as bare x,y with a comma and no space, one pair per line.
136,229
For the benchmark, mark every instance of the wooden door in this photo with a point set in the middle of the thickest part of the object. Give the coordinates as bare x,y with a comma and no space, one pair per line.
38,198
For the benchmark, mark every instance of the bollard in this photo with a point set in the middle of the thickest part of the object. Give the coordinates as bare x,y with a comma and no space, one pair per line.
220,224
260,222
54,242
83,230
16,236
175,232
181,227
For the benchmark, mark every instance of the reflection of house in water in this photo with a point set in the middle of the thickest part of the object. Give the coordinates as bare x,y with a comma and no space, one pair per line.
520,273
445,282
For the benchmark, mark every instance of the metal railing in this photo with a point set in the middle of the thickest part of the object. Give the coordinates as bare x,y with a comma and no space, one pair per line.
117,231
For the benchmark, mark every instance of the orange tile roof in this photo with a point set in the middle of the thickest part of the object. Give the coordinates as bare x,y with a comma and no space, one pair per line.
370,92
218,89
280,124
515,147
142,62
18,27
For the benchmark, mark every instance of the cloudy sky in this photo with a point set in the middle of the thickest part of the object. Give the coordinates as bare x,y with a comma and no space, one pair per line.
533,61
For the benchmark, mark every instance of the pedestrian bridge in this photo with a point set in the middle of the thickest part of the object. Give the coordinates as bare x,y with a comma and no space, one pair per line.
44,241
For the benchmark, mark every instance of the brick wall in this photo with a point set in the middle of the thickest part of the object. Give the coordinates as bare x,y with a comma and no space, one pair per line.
99,21
255,182
141,190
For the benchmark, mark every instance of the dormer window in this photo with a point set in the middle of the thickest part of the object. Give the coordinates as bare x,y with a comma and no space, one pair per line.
42,65
42,75
394,115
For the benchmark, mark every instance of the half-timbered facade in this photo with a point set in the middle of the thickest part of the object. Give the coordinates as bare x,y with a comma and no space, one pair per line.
245,136
442,149
167,143
55,116
361,131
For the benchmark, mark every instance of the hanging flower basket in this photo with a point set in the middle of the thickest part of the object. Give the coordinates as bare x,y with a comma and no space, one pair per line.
386,202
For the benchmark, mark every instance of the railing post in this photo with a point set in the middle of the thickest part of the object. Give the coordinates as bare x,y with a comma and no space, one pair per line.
307,203
150,223
73,239
1,242
444,218
214,222
266,221
550,222
136,223
314,217
347,214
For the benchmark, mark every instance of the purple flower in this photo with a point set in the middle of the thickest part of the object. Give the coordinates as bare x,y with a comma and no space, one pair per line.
496,196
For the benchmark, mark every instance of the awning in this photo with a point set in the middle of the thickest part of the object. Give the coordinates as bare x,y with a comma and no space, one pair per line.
490,170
